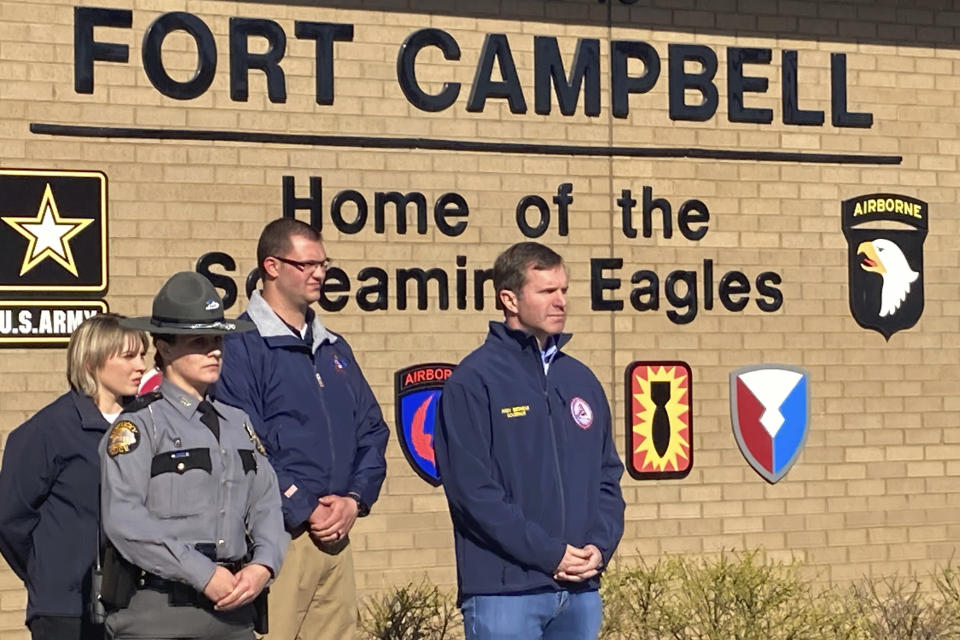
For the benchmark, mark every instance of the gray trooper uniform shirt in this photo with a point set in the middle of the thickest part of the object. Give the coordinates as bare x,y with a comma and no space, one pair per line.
168,484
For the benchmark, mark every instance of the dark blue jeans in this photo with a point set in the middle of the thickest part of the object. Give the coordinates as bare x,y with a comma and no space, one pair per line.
540,616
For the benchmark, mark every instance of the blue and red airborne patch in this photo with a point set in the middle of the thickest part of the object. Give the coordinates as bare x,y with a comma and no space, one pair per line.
770,407
418,390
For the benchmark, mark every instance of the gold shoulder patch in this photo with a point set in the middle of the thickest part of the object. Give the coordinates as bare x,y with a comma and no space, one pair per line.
254,439
124,438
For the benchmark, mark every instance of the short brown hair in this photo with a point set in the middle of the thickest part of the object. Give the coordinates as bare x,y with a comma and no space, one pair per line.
275,238
169,338
510,267
97,339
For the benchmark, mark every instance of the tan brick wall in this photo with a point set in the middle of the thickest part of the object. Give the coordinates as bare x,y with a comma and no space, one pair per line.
875,491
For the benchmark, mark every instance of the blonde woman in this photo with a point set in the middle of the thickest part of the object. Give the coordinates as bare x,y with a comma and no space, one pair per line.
50,475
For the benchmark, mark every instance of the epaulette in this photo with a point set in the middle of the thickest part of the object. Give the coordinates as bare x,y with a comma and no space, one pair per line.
142,401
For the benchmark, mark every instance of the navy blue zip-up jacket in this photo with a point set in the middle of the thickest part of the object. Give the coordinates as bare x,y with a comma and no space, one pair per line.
49,498
311,407
528,465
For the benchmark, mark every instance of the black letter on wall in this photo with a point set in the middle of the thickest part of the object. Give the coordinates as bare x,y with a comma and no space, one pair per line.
680,81
738,84
792,113
153,57
548,65
599,284
496,48
219,280
838,96
407,72
86,49
622,85
314,204
241,60
325,34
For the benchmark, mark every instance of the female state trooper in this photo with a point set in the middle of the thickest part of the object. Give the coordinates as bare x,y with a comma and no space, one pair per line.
50,473
188,496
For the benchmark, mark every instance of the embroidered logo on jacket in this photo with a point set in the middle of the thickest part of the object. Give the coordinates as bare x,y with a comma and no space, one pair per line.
581,412
516,412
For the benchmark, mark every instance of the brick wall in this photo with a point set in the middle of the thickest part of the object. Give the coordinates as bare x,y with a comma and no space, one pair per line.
876,489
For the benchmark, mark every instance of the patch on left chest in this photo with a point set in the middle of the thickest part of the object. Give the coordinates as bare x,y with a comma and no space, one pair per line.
581,412
339,363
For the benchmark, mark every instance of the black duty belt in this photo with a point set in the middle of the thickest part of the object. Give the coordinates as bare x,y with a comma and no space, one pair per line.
181,594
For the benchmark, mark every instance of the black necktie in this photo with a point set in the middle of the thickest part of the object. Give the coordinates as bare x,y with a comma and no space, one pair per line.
209,417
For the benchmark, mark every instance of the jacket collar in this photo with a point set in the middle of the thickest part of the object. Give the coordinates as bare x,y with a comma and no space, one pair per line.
520,340
275,331
90,417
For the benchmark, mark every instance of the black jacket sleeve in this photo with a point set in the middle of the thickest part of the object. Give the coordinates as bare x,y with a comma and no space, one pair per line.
28,472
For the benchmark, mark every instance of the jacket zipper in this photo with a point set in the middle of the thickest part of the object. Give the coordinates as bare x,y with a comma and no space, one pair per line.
556,448
326,415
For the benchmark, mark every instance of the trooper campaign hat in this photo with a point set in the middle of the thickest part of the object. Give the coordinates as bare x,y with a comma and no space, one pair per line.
187,303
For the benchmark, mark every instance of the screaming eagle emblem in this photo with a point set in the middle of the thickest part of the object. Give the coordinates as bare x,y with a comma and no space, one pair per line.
885,234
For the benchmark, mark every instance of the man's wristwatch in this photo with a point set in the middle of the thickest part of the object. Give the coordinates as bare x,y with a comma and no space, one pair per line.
362,509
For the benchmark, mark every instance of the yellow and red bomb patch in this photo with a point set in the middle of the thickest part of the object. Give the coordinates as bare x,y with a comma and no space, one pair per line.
659,420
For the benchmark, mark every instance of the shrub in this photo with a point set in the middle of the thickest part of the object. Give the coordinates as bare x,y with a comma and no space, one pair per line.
948,586
634,601
898,608
734,596
415,611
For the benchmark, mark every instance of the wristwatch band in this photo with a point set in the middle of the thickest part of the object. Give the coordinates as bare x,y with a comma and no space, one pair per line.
362,509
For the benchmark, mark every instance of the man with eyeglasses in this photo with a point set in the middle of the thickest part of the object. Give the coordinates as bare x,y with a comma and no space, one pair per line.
321,425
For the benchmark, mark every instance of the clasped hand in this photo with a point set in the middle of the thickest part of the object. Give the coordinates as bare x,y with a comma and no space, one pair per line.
579,564
332,519
231,591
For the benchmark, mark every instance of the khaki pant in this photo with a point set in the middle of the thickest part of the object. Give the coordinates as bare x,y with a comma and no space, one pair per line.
315,595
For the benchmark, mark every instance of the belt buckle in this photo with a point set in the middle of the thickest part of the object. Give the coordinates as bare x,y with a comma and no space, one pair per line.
183,595
231,565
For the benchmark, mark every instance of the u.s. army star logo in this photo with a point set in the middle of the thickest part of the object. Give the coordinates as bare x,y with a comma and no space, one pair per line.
124,438
48,234
53,229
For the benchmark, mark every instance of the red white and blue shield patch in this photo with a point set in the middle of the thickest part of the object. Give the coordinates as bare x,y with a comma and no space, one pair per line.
418,390
770,407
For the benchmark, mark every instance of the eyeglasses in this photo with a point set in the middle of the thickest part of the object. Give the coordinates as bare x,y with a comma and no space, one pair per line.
311,265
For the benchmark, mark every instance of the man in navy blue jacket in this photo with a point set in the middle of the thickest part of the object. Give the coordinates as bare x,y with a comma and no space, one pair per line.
529,467
320,424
